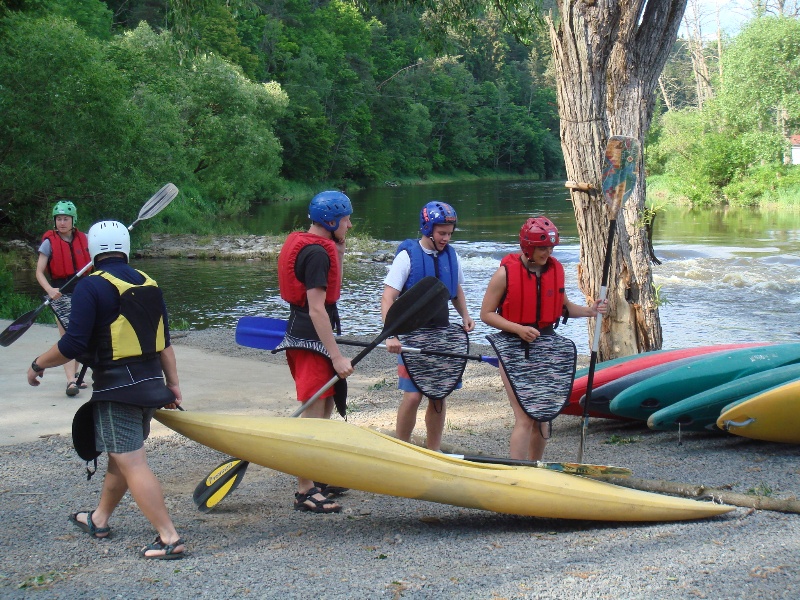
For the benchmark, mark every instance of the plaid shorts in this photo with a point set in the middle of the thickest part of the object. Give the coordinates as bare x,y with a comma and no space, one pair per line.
121,428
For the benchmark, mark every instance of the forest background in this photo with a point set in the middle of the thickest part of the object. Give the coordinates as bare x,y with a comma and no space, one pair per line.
244,101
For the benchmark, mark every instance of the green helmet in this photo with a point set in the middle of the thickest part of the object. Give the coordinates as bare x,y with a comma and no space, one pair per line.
65,207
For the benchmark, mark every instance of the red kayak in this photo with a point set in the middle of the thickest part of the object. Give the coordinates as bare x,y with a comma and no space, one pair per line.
631,364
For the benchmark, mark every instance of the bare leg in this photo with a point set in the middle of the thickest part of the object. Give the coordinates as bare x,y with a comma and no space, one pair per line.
526,441
434,423
321,409
146,491
407,415
538,442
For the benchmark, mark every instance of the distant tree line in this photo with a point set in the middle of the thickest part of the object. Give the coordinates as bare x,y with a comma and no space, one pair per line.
103,102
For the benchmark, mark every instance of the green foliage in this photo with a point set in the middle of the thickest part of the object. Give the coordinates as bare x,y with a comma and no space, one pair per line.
734,149
92,16
761,76
63,118
235,97
14,304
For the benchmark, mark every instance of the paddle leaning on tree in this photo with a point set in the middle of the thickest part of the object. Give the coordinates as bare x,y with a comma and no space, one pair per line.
525,299
418,374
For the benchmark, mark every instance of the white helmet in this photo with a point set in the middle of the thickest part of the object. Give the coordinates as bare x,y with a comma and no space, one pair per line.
109,236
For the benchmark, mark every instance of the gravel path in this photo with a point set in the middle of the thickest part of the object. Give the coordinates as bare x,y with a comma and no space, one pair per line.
254,544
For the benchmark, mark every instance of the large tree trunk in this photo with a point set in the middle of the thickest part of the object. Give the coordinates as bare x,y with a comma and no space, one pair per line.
608,56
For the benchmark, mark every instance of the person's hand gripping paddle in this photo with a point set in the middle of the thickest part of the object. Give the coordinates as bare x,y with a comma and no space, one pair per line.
619,180
410,311
151,208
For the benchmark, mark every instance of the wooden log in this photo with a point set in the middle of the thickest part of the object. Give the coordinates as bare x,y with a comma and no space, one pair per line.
689,490
580,186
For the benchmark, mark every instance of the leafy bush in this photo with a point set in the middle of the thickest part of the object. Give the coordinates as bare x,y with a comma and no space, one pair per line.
13,304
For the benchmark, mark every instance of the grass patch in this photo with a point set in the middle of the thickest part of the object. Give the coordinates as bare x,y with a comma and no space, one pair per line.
762,489
619,440
379,385
41,581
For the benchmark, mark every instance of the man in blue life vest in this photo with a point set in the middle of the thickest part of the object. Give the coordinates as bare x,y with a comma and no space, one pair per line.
526,297
310,280
433,255
119,327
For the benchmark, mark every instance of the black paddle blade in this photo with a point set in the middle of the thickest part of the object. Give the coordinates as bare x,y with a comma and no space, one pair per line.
225,478
340,397
415,308
15,331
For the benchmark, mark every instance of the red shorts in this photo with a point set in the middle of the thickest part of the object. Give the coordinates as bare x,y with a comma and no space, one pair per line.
310,371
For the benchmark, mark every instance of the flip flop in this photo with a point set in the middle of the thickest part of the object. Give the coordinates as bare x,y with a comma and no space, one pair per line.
72,389
89,527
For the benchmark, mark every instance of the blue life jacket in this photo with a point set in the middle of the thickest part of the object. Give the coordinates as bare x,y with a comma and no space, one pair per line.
443,266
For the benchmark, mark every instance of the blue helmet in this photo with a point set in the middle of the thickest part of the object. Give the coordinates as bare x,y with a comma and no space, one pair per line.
435,213
327,207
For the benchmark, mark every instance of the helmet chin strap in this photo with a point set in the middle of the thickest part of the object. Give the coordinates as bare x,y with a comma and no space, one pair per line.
433,244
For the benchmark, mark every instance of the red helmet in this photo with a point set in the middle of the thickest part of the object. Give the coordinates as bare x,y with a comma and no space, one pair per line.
537,232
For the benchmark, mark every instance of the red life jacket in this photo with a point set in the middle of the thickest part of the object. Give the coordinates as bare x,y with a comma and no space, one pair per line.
292,289
67,258
532,300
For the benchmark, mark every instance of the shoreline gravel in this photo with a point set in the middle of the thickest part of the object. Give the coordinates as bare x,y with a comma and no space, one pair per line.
254,544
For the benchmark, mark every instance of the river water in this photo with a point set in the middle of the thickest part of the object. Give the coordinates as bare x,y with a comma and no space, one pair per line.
727,275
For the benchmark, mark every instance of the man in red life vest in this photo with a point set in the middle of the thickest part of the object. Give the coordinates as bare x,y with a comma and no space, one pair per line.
310,279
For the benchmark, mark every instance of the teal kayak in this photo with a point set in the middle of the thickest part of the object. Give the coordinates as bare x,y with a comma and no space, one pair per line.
701,411
665,389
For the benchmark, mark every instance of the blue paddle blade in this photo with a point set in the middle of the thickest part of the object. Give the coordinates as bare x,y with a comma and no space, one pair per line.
260,332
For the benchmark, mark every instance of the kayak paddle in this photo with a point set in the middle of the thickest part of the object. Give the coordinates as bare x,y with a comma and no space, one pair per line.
266,333
219,483
152,207
619,180
571,468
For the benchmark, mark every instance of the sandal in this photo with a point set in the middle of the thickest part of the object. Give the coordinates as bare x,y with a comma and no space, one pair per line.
72,389
89,527
83,385
317,506
169,550
330,491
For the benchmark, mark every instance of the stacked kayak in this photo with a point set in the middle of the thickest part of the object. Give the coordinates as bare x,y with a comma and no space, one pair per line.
623,372
701,411
345,455
654,394
772,415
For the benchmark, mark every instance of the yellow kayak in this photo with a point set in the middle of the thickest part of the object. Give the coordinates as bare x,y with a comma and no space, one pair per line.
773,415
354,457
